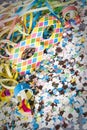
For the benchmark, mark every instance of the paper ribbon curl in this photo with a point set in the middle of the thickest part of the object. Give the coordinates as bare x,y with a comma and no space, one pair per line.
71,16
24,95
8,76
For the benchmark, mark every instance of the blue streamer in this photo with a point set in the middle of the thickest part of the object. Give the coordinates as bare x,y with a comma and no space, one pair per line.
50,9
83,3
27,8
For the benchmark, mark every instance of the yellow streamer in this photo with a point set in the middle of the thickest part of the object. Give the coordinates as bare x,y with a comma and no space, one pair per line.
6,80
31,21
19,28
6,72
24,19
9,75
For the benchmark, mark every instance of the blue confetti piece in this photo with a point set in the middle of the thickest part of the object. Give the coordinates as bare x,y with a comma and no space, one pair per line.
65,39
54,119
72,72
80,110
55,66
51,53
41,98
36,126
71,100
59,89
77,44
77,51
64,44
49,95
83,121
63,79
58,71
41,112
54,91
17,112
56,101
60,118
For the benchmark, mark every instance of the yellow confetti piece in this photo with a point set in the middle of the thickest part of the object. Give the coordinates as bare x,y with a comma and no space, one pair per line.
73,80
82,40
38,119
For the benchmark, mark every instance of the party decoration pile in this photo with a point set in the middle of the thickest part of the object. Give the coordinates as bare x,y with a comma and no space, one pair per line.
23,17
43,65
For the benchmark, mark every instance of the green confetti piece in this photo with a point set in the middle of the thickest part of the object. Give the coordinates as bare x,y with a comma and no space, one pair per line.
36,115
49,103
82,68
71,110
79,93
53,57
46,71
76,55
45,62
54,109
77,66
75,31
66,75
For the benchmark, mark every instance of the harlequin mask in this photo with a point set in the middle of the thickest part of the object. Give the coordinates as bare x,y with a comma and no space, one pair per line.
35,45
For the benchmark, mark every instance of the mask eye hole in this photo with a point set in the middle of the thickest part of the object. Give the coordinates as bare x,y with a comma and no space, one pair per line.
27,53
48,32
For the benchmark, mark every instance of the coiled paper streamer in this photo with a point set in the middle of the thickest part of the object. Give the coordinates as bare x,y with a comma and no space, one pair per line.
23,96
73,16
